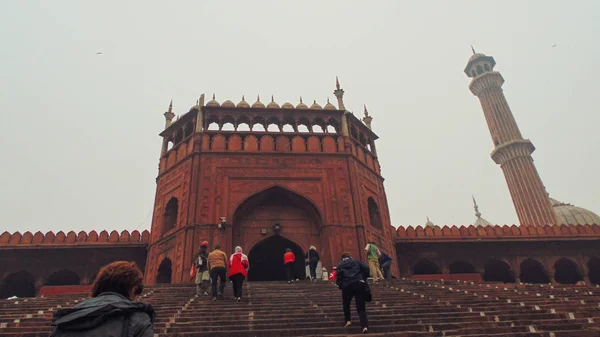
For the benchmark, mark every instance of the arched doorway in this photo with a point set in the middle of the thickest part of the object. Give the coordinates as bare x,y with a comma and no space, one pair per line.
276,211
566,271
532,271
266,259
63,278
498,271
462,267
426,267
164,272
594,270
20,284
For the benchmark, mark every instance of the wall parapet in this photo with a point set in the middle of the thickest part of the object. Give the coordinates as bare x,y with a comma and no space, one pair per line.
71,238
497,233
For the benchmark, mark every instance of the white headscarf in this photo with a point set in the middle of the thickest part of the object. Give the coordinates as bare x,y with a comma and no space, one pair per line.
238,250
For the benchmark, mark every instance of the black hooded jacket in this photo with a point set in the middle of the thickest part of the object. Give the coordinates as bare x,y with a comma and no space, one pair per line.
350,271
103,316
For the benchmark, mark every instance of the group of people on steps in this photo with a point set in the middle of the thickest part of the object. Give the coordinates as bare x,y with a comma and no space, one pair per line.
113,310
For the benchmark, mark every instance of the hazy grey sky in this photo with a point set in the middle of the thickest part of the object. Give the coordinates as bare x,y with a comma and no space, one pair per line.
79,130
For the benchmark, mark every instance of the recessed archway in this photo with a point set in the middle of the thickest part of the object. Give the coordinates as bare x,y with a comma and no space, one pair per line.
566,271
498,271
533,271
594,270
296,217
462,267
63,278
426,267
20,284
266,259
164,271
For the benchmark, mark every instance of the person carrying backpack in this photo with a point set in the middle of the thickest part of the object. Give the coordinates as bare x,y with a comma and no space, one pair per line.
385,261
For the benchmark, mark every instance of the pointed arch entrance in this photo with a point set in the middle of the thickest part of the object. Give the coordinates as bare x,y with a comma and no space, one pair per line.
266,259
270,221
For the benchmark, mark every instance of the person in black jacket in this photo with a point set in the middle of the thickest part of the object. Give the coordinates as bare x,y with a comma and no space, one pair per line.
111,311
352,279
385,262
312,258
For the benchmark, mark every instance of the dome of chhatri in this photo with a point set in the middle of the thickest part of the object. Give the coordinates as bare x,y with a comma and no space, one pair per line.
213,102
476,56
316,106
287,105
301,105
243,103
567,214
272,104
228,104
329,106
258,103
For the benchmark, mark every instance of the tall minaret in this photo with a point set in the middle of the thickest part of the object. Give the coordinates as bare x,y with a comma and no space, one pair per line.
511,151
169,115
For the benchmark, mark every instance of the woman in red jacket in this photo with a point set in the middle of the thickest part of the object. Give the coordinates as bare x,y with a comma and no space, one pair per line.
238,270
288,261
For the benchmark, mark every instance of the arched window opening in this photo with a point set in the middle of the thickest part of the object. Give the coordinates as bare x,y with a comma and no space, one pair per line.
214,126
178,137
566,272
170,215
473,73
374,215
317,129
594,270
63,278
462,267
498,271
532,271
486,67
20,284
273,128
426,267
228,127
243,127
164,271
288,128
258,127
303,128
362,139
188,130
331,129
479,70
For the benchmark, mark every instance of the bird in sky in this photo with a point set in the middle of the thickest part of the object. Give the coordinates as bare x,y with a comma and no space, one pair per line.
99,53
553,45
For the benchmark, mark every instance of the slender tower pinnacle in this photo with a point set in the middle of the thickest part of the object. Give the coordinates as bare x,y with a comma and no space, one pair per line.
511,151
339,94
367,119
169,115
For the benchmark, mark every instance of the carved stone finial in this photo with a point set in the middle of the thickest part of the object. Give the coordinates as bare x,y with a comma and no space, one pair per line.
272,98
472,49
366,111
243,99
300,99
337,83
477,213
213,95
171,106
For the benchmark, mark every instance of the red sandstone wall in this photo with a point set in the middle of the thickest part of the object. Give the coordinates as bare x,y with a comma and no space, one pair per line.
82,238
501,232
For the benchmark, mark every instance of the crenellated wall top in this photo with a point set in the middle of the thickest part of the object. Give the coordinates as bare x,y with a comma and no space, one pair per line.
82,238
497,233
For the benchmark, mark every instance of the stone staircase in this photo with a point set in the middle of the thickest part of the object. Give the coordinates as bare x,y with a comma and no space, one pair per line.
400,308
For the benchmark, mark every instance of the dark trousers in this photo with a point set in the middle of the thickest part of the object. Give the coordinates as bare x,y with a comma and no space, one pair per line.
218,273
238,282
313,268
289,269
387,270
358,291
